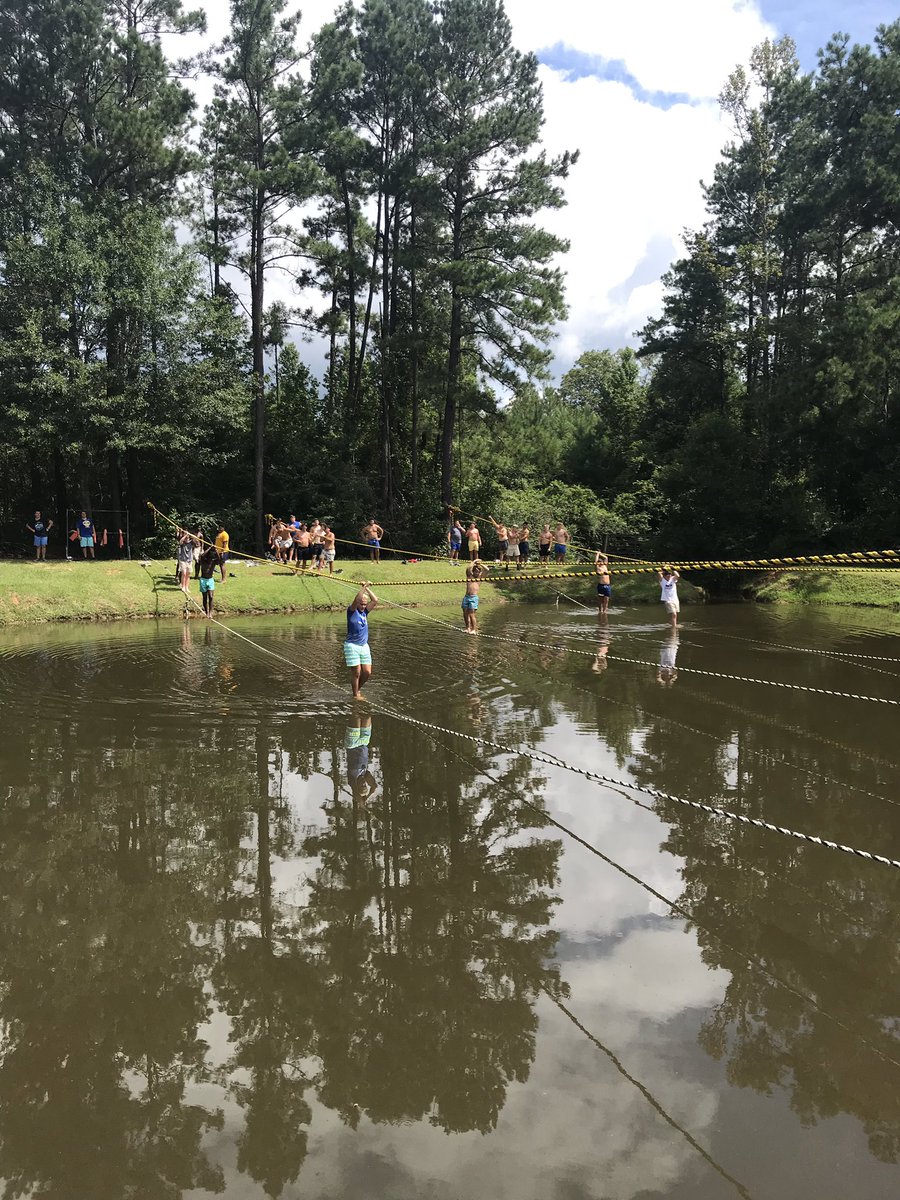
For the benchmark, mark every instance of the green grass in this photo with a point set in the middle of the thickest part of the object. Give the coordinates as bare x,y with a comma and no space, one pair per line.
83,591
872,588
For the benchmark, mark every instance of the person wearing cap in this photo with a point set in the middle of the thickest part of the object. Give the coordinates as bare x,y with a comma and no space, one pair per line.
668,583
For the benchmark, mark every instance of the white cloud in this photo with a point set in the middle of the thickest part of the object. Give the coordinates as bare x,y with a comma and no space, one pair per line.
688,46
636,186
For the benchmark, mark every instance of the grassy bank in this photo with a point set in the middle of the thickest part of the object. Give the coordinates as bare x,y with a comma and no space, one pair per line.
83,591
872,588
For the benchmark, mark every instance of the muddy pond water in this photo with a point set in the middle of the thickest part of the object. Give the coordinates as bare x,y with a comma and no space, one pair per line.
254,941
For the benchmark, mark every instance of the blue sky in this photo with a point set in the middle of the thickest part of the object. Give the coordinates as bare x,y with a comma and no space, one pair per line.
812,22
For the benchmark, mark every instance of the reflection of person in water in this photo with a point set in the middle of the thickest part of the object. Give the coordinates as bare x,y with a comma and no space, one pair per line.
601,662
667,672
356,743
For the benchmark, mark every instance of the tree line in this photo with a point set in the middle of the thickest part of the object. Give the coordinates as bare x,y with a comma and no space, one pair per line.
388,166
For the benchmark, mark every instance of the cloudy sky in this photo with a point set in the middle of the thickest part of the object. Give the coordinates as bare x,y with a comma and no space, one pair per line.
633,87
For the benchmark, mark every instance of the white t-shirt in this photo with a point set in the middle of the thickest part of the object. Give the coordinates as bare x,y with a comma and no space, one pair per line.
669,590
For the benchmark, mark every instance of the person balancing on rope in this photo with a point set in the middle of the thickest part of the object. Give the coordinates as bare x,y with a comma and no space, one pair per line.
357,654
604,590
474,575
668,584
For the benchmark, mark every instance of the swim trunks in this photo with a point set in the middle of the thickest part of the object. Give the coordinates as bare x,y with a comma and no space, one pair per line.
87,543
560,548
357,656
329,556
524,549
470,602
207,585
375,543
604,589
504,545
472,545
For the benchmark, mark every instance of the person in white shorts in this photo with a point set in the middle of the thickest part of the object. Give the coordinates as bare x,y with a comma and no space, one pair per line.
668,585
328,539
512,547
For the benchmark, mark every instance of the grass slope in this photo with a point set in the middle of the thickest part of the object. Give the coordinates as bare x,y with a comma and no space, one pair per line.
82,591
870,589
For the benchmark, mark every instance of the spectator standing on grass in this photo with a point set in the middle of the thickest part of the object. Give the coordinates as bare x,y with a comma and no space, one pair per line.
41,530
86,535
473,541
185,557
222,543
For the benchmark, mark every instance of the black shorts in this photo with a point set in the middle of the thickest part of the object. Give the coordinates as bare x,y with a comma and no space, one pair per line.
305,553
504,546
545,550
604,589
524,549
318,550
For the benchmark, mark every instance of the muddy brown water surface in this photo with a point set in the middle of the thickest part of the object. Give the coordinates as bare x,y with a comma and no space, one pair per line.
256,944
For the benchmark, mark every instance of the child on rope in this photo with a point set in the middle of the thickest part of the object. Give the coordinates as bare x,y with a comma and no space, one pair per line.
357,654
209,560
474,573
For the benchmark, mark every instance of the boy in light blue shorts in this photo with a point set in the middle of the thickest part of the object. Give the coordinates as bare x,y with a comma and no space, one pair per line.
474,574
209,560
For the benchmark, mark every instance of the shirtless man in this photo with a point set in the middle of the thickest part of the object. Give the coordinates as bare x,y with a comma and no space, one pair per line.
317,551
502,537
512,548
604,590
561,543
328,540
545,543
474,575
473,541
524,546
302,544
280,540
372,535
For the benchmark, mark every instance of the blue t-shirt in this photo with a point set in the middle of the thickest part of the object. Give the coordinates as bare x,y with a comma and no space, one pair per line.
357,627
86,527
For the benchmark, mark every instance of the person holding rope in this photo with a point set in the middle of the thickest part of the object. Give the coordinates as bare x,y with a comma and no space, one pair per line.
604,590
209,560
502,537
372,535
474,573
668,584
185,559
357,654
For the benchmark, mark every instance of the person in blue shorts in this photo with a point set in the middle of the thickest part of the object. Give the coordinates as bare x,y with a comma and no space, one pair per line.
357,654
41,529
86,535
209,560
372,534
560,543
455,539
604,590
474,574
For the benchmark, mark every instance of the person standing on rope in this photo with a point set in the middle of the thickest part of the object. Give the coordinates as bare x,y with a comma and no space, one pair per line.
561,543
502,538
41,530
357,654
545,544
222,542
474,573
372,535
524,547
604,590
668,584
209,560
473,541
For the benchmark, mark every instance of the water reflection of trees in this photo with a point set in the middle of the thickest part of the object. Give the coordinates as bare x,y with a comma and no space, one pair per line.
823,923
139,895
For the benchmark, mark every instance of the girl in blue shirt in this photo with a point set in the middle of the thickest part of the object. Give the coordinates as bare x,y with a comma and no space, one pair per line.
357,654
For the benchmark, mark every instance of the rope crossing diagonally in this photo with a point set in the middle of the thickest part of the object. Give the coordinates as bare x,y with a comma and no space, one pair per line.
594,776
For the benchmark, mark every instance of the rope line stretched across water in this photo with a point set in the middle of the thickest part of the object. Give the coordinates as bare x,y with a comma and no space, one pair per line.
594,776
842,655
793,687
683,912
